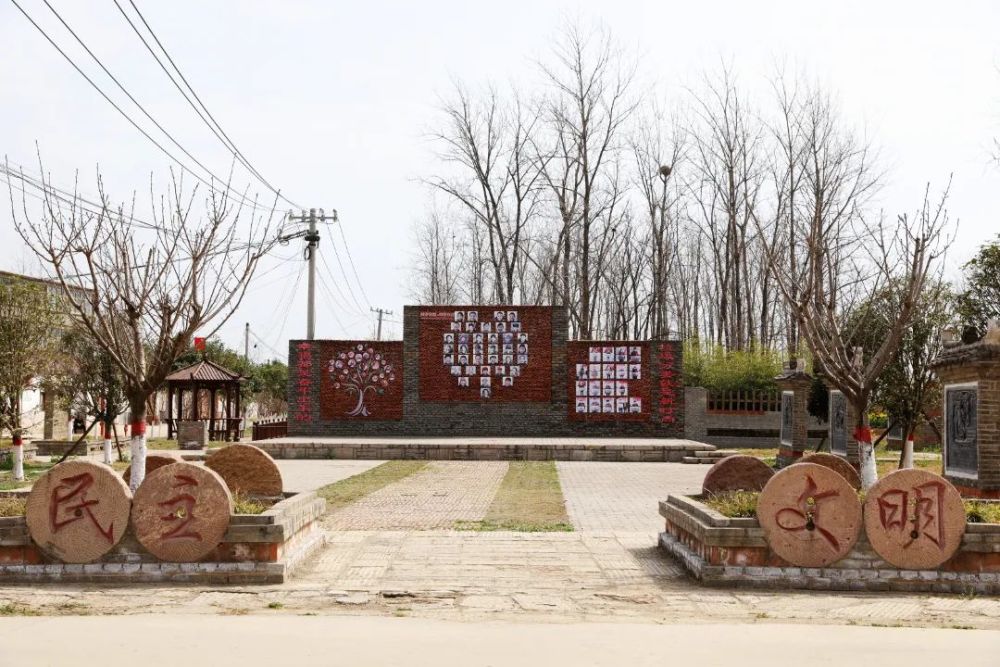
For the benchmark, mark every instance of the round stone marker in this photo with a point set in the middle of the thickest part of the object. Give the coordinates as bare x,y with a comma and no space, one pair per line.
78,511
247,469
837,464
914,519
181,512
810,515
153,461
736,473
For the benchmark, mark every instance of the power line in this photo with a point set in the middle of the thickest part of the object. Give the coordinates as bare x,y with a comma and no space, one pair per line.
343,303
353,268
347,280
125,115
214,125
65,196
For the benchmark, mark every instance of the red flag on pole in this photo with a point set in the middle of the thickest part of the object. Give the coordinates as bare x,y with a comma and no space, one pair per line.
199,344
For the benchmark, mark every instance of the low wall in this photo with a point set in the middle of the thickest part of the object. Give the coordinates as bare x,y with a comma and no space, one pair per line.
257,549
722,551
59,447
742,430
468,449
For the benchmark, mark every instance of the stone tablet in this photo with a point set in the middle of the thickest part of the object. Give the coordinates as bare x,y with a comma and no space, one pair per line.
247,469
736,473
837,464
181,512
153,461
78,511
914,519
810,515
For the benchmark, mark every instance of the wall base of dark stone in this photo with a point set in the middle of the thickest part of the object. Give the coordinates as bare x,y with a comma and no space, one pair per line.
621,450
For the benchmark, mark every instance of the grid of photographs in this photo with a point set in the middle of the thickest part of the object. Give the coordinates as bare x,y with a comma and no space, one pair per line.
485,353
603,385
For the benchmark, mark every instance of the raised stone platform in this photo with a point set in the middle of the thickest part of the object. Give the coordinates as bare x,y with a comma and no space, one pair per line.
485,449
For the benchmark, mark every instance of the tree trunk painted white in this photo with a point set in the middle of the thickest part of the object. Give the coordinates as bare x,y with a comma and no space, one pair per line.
17,451
138,447
69,429
866,456
907,461
107,444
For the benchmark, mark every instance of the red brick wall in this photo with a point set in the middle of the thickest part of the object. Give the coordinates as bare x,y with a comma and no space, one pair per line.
350,368
477,353
608,381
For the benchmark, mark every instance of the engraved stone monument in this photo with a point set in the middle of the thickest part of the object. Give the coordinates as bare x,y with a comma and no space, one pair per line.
970,376
794,431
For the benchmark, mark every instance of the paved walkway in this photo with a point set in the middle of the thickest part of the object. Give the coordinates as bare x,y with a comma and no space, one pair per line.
490,563
623,496
435,497
286,640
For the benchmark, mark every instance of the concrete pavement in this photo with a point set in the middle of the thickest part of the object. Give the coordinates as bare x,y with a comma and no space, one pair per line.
152,641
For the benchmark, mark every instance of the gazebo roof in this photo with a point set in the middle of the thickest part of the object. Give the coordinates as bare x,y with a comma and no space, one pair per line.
204,371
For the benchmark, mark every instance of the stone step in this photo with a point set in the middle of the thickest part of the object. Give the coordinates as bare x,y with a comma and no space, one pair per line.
697,459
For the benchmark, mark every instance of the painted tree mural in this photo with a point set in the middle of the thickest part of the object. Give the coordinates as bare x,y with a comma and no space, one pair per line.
361,371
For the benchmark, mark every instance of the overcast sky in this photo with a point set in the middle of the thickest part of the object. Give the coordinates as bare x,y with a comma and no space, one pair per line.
332,102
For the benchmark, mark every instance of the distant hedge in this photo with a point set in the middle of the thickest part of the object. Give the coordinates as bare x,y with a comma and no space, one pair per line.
714,368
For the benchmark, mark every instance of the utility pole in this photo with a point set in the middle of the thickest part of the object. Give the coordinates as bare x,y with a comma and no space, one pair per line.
380,312
246,343
311,237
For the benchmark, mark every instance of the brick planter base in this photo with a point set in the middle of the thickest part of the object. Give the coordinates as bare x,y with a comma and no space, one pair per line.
257,549
719,551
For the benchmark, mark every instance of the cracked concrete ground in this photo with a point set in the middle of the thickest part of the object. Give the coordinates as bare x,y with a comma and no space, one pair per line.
608,570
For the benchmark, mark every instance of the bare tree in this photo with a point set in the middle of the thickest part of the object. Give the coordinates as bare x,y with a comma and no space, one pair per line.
656,158
728,169
833,257
150,286
587,112
439,262
497,180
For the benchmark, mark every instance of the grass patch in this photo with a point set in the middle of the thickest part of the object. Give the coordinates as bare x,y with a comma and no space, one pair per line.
529,499
12,506
734,504
17,609
32,471
166,443
244,504
346,491
981,511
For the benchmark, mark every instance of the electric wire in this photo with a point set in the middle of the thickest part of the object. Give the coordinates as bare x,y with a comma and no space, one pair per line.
214,125
128,118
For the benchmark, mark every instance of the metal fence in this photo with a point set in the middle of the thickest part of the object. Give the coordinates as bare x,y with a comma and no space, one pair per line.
752,402
266,429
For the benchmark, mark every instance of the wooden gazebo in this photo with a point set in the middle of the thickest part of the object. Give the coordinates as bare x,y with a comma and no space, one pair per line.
205,383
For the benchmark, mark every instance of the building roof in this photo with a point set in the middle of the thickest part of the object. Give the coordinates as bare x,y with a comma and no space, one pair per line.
204,371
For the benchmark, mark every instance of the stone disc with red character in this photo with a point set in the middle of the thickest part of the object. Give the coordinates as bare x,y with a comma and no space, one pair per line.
810,514
736,473
247,469
181,512
914,519
834,462
78,511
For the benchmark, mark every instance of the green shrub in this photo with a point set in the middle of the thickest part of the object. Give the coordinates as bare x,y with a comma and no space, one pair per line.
715,369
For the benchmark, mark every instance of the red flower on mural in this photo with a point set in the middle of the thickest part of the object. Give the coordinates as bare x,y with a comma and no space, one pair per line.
361,370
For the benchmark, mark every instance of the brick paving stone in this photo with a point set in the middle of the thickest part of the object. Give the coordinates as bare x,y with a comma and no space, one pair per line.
623,496
435,497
